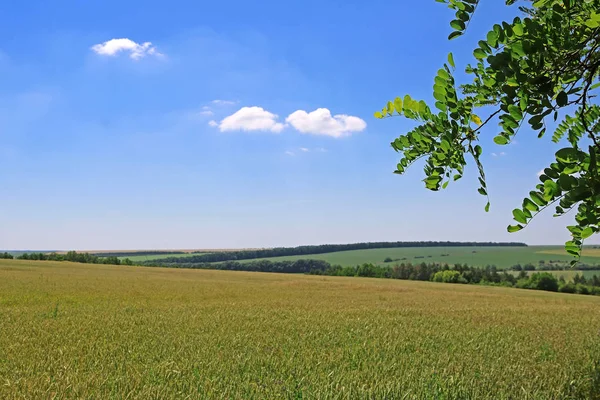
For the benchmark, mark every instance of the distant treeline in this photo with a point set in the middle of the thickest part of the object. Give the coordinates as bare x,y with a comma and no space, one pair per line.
135,253
320,249
6,256
73,256
554,266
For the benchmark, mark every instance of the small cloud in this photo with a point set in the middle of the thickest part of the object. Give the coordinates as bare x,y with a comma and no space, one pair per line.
494,155
321,122
304,149
251,119
213,123
540,173
224,102
321,150
136,51
206,113
206,108
502,153
290,153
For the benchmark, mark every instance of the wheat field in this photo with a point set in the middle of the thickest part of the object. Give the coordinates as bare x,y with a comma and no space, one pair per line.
71,331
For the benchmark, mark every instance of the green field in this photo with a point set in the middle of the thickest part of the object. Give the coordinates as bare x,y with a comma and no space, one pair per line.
100,331
502,257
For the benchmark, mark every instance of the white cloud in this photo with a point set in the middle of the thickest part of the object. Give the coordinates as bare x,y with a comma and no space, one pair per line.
136,51
251,119
289,153
540,173
321,122
494,155
206,108
206,113
213,123
304,149
321,150
224,102
502,153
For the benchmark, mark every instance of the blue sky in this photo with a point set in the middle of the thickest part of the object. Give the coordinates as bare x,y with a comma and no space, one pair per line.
109,149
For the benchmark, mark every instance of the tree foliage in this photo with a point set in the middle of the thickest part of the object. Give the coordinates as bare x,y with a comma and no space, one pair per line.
527,72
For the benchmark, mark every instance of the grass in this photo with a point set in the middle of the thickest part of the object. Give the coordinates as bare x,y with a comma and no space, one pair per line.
502,257
100,331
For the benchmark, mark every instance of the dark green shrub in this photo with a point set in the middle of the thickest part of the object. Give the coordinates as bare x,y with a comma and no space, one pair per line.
582,289
543,281
567,288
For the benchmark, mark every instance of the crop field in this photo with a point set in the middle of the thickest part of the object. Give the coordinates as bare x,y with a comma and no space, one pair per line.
502,257
100,331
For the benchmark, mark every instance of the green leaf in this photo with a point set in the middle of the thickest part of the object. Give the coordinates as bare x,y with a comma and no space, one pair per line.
487,207
567,155
537,198
492,38
482,191
562,99
454,35
587,232
398,105
530,205
519,216
442,73
451,60
479,54
515,112
501,140
378,115
457,25
514,228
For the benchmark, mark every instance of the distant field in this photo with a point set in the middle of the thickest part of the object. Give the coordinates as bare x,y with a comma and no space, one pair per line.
588,252
502,257
100,331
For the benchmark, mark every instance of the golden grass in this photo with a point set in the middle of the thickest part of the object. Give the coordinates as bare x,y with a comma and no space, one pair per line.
587,252
96,331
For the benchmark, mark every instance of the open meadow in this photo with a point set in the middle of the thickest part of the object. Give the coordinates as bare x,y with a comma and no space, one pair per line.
100,331
479,256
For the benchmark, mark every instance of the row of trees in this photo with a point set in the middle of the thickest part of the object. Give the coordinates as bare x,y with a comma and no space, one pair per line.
74,256
289,267
6,256
320,249
554,266
470,275
135,253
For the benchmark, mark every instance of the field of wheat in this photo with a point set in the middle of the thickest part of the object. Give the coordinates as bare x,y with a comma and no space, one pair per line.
97,331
